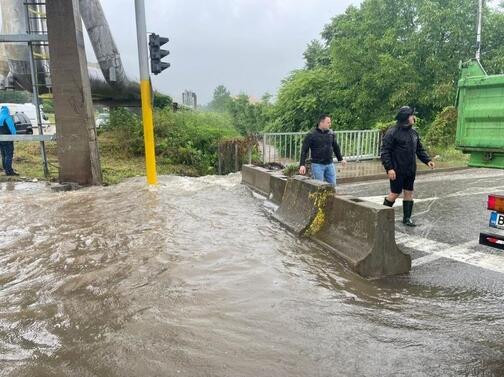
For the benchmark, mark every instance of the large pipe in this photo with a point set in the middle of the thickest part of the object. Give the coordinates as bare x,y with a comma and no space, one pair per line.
14,22
109,84
103,44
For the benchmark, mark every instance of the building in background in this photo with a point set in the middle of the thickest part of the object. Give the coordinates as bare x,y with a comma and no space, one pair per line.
190,99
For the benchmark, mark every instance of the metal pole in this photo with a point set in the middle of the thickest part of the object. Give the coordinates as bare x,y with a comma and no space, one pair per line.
145,89
36,99
478,37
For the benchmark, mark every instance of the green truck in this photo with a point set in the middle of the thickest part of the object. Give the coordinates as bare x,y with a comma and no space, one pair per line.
480,124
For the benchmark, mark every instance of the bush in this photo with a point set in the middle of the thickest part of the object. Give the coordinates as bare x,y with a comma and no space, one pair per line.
185,138
442,131
48,106
15,96
192,138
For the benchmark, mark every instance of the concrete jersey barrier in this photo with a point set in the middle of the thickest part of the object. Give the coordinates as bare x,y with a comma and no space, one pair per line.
359,232
363,234
301,203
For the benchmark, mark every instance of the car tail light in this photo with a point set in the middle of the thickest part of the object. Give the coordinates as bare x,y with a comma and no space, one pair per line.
496,203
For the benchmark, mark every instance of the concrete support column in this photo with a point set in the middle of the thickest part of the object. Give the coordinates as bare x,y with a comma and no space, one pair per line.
78,153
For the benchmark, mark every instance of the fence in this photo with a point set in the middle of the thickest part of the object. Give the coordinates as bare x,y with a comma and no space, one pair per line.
285,147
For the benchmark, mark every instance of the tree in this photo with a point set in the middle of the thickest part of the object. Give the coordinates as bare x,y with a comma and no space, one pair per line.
250,118
161,100
385,54
316,55
221,99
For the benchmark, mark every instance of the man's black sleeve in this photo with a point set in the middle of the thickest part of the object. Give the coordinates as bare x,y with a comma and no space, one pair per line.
336,148
422,153
387,149
305,148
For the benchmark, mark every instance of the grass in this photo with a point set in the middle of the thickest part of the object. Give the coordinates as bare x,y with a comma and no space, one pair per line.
449,156
117,165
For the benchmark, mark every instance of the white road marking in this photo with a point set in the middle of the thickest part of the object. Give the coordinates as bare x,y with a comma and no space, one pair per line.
468,192
398,202
463,253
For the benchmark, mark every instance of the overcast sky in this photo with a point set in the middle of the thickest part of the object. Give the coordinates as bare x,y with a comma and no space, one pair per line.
247,45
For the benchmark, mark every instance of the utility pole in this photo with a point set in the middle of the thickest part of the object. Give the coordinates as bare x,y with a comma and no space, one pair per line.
478,36
146,90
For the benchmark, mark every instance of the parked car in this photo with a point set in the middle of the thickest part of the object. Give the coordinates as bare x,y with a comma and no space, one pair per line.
22,123
29,110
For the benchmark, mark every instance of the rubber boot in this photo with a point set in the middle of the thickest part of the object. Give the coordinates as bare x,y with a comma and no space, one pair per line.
387,203
408,210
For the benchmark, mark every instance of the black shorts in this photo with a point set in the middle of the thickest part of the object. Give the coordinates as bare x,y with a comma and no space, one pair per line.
402,183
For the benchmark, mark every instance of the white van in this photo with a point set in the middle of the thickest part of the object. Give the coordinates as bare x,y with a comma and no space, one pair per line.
29,110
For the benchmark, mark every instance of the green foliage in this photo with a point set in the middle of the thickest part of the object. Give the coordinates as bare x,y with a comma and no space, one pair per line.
250,118
184,138
221,99
442,131
383,126
316,55
291,169
304,95
385,54
48,106
161,101
15,96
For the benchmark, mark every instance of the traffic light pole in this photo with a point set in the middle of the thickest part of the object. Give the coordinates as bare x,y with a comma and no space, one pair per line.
145,89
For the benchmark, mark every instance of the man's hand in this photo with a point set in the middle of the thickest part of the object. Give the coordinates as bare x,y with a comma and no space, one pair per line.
302,170
343,162
431,164
391,174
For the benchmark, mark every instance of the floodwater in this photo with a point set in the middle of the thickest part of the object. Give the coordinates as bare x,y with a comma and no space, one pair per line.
193,278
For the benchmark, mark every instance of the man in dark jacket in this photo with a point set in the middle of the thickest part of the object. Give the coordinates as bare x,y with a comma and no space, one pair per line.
7,127
401,145
321,141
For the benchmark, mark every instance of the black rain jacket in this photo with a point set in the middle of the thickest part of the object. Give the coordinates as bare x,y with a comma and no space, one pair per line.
400,147
322,145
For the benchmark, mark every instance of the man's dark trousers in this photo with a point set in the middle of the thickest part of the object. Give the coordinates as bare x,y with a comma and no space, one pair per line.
7,151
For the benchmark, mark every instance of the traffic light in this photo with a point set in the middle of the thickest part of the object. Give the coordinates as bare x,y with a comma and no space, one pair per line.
156,54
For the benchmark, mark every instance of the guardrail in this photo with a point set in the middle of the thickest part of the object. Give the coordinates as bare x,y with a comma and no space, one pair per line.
285,147
30,138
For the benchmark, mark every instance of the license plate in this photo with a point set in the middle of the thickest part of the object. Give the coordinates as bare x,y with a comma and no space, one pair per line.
497,220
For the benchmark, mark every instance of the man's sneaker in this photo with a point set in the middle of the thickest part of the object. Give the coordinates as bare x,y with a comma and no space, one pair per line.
12,174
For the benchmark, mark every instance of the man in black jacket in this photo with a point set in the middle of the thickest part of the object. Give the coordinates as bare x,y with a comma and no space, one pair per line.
322,143
401,145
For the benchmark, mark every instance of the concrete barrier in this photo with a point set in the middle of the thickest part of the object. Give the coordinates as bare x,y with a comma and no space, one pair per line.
359,232
278,183
363,234
301,202
257,178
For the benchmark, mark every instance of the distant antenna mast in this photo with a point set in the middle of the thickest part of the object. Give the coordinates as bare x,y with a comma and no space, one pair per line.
478,37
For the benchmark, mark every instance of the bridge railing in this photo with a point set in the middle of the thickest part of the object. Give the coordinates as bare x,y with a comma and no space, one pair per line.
285,147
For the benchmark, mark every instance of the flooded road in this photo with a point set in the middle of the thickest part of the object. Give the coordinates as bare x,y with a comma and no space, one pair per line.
194,279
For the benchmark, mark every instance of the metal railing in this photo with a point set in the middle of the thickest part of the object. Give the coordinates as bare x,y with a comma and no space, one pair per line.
29,138
285,147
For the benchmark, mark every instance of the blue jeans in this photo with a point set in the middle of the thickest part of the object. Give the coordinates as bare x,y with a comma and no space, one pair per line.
326,173
7,151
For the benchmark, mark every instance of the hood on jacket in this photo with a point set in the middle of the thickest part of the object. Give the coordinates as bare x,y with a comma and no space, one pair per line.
4,111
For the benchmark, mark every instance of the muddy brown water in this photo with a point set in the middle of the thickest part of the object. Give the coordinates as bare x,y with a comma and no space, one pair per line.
193,278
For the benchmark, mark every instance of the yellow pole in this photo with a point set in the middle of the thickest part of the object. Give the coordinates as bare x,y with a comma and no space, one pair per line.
148,126
145,91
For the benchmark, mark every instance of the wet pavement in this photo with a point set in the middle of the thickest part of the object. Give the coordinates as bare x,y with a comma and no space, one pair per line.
194,278
356,171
